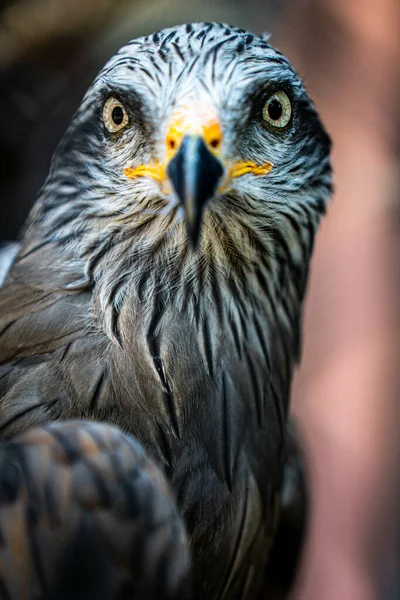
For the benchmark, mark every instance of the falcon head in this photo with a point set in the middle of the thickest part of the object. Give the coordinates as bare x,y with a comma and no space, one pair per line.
195,141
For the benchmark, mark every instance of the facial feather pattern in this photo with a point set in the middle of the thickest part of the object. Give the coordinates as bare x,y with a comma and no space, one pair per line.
189,346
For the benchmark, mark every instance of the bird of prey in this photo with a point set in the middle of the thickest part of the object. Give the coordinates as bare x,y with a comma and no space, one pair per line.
161,275
85,514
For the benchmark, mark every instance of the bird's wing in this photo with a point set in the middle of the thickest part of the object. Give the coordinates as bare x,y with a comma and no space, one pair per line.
85,514
282,567
33,301
51,353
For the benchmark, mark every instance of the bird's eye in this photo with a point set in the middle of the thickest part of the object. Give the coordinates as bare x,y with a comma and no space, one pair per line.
115,116
277,110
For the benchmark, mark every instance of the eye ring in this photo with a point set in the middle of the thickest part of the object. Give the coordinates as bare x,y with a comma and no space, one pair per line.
277,110
115,116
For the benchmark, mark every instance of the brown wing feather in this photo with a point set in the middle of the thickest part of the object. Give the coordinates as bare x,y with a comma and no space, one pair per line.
85,514
46,331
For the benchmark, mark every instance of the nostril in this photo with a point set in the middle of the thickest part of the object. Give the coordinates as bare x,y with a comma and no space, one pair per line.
215,143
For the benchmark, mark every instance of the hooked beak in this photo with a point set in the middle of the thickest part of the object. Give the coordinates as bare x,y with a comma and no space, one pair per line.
194,165
195,174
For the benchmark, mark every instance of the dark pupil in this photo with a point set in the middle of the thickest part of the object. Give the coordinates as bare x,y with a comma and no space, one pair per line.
275,109
117,115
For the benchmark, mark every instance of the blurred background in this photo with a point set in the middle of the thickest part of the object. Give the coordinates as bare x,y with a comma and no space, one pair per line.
346,395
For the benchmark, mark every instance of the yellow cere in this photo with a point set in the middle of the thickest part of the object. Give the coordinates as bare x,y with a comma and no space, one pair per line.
195,119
